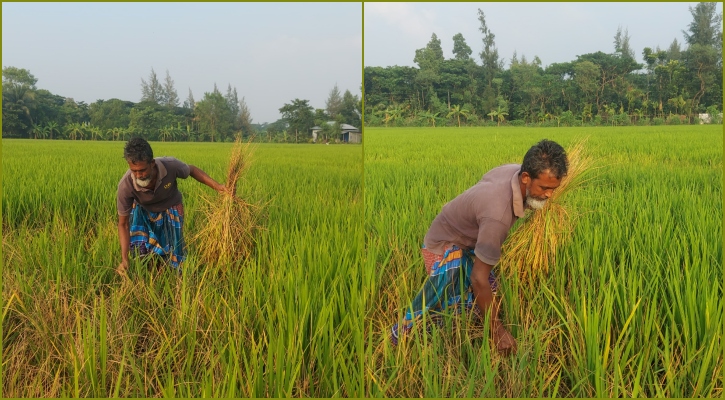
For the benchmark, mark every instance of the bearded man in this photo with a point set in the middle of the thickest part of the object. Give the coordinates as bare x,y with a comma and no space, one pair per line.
150,208
464,241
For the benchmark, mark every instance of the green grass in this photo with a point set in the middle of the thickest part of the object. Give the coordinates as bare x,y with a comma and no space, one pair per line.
286,322
633,305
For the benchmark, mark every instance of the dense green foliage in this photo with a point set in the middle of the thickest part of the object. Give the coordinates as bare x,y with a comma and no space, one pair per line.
285,322
29,112
669,86
633,305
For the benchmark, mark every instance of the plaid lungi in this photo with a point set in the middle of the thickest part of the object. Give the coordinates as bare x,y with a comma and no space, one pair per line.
448,284
159,233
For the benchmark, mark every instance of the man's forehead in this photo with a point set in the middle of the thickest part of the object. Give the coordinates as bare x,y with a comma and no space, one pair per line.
139,165
548,180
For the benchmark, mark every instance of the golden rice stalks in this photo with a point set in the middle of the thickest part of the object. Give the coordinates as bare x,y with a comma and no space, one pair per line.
532,248
227,235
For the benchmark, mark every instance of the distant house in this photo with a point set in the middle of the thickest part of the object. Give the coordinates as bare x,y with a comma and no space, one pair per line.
348,133
707,118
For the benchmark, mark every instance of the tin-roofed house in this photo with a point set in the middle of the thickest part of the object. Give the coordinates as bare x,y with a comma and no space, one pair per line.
348,133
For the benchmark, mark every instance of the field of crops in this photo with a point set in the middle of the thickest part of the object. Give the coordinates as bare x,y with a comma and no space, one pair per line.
285,322
633,305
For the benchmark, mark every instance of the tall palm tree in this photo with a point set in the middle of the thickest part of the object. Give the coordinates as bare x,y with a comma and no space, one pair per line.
73,130
95,132
52,127
124,133
86,126
37,131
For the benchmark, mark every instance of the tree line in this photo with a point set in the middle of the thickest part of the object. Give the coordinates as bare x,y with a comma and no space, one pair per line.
669,86
30,112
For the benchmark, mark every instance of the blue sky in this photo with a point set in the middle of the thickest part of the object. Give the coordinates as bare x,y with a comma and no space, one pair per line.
556,32
271,52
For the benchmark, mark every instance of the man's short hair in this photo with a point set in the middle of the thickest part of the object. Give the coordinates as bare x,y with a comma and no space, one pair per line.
138,149
543,156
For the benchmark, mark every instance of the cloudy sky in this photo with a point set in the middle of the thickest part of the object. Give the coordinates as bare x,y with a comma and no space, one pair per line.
272,53
556,32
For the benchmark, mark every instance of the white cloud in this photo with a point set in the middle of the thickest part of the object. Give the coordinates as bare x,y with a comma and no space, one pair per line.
413,22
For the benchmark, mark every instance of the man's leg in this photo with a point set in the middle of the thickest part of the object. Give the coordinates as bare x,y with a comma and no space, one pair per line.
175,235
449,277
139,229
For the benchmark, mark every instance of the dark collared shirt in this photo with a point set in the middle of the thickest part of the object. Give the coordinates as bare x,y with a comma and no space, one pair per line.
481,217
162,197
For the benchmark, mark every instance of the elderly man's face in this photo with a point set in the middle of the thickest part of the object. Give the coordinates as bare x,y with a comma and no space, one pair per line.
143,172
539,189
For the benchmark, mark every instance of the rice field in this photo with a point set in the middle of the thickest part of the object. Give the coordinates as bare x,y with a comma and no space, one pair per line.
632,305
285,321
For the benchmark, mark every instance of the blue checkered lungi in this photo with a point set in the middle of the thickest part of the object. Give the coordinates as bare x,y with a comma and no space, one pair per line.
159,233
448,284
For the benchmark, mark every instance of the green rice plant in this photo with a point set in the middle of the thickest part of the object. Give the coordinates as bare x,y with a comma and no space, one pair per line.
631,304
259,330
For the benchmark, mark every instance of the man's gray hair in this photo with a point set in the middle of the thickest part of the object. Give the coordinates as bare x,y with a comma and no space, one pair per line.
546,155
138,149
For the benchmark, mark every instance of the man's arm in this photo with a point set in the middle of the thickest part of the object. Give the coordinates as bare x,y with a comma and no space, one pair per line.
124,237
505,343
202,177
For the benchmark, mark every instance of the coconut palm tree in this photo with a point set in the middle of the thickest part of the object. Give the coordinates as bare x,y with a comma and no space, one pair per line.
37,131
74,130
95,132
52,127
113,133
83,132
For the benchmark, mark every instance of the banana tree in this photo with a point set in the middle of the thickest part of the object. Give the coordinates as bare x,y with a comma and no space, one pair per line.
493,114
457,111
428,117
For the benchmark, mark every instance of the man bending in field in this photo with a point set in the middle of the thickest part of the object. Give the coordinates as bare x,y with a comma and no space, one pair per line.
464,241
150,210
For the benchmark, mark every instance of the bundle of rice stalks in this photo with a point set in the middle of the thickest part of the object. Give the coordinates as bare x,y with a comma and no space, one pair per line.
227,236
532,248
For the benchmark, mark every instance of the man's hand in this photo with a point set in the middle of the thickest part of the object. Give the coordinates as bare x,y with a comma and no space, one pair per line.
122,268
504,341
221,189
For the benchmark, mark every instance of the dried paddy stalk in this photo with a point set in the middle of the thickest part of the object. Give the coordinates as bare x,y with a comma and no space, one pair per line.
227,235
532,248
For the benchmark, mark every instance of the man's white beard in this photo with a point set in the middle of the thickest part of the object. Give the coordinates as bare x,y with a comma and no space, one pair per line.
534,203
143,182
